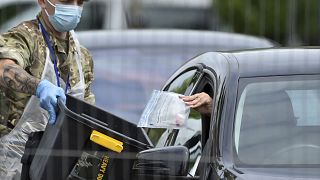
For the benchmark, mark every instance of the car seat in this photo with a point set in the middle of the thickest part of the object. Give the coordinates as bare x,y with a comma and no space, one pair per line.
266,127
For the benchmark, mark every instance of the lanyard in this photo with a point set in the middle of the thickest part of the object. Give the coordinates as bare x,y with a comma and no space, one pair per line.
53,56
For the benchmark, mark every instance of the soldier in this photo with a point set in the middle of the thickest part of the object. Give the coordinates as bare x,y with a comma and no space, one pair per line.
40,61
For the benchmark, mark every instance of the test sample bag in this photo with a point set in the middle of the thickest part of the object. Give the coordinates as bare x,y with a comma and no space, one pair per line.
164,110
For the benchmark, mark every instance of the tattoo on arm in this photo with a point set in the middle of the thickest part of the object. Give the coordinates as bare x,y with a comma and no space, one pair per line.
17,79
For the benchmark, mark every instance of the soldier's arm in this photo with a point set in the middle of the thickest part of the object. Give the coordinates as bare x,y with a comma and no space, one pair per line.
14,77
88,75
16,47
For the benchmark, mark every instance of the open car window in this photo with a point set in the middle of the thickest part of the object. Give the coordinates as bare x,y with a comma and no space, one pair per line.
182,84
191,135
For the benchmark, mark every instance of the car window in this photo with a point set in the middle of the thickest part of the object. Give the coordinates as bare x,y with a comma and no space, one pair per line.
189,136
10,11
278,122
126,77
94,15
305,104
157,16
181,84
184,83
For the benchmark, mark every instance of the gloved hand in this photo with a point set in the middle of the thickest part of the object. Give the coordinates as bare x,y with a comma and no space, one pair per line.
48,94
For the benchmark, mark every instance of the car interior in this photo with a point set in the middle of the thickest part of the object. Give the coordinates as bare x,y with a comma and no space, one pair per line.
270,134
260,115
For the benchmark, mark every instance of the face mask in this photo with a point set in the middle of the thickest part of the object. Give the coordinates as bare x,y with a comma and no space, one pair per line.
65,18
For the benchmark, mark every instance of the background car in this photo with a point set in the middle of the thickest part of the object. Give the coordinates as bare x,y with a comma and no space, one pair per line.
129,64
121,14
97,14
264,122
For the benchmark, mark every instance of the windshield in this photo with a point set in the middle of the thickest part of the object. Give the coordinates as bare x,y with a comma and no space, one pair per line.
171,17
278,121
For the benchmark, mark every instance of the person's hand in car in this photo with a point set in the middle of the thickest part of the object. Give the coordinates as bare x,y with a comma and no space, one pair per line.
201,102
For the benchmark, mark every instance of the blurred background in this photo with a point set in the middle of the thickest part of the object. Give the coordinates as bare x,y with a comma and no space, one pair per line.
288,22
137,44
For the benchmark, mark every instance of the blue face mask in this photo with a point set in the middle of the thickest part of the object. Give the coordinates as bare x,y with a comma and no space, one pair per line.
65,18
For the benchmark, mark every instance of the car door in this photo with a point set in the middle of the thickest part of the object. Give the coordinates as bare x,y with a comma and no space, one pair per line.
192,80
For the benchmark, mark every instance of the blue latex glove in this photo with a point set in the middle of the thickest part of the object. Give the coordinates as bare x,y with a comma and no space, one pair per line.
48,94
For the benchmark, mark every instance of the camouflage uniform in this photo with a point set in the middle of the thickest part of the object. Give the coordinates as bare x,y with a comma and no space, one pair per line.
25,44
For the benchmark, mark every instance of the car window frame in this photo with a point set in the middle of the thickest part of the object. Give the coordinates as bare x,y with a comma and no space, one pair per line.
208,78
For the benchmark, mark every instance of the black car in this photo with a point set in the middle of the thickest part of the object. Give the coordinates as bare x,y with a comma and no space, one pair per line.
265,121
129,64
264,124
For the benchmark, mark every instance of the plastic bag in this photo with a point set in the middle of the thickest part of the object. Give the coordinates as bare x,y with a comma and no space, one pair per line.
12,145
164,110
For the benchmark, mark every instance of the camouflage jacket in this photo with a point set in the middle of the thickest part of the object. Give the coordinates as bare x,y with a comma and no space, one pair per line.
25,44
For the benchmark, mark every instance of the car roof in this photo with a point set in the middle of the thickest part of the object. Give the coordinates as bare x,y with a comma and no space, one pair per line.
278,61
220,41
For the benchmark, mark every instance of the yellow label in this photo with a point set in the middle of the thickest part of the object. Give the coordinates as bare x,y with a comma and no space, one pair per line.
106,141
103,168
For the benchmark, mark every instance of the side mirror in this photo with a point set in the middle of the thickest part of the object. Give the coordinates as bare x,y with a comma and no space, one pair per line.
170,161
